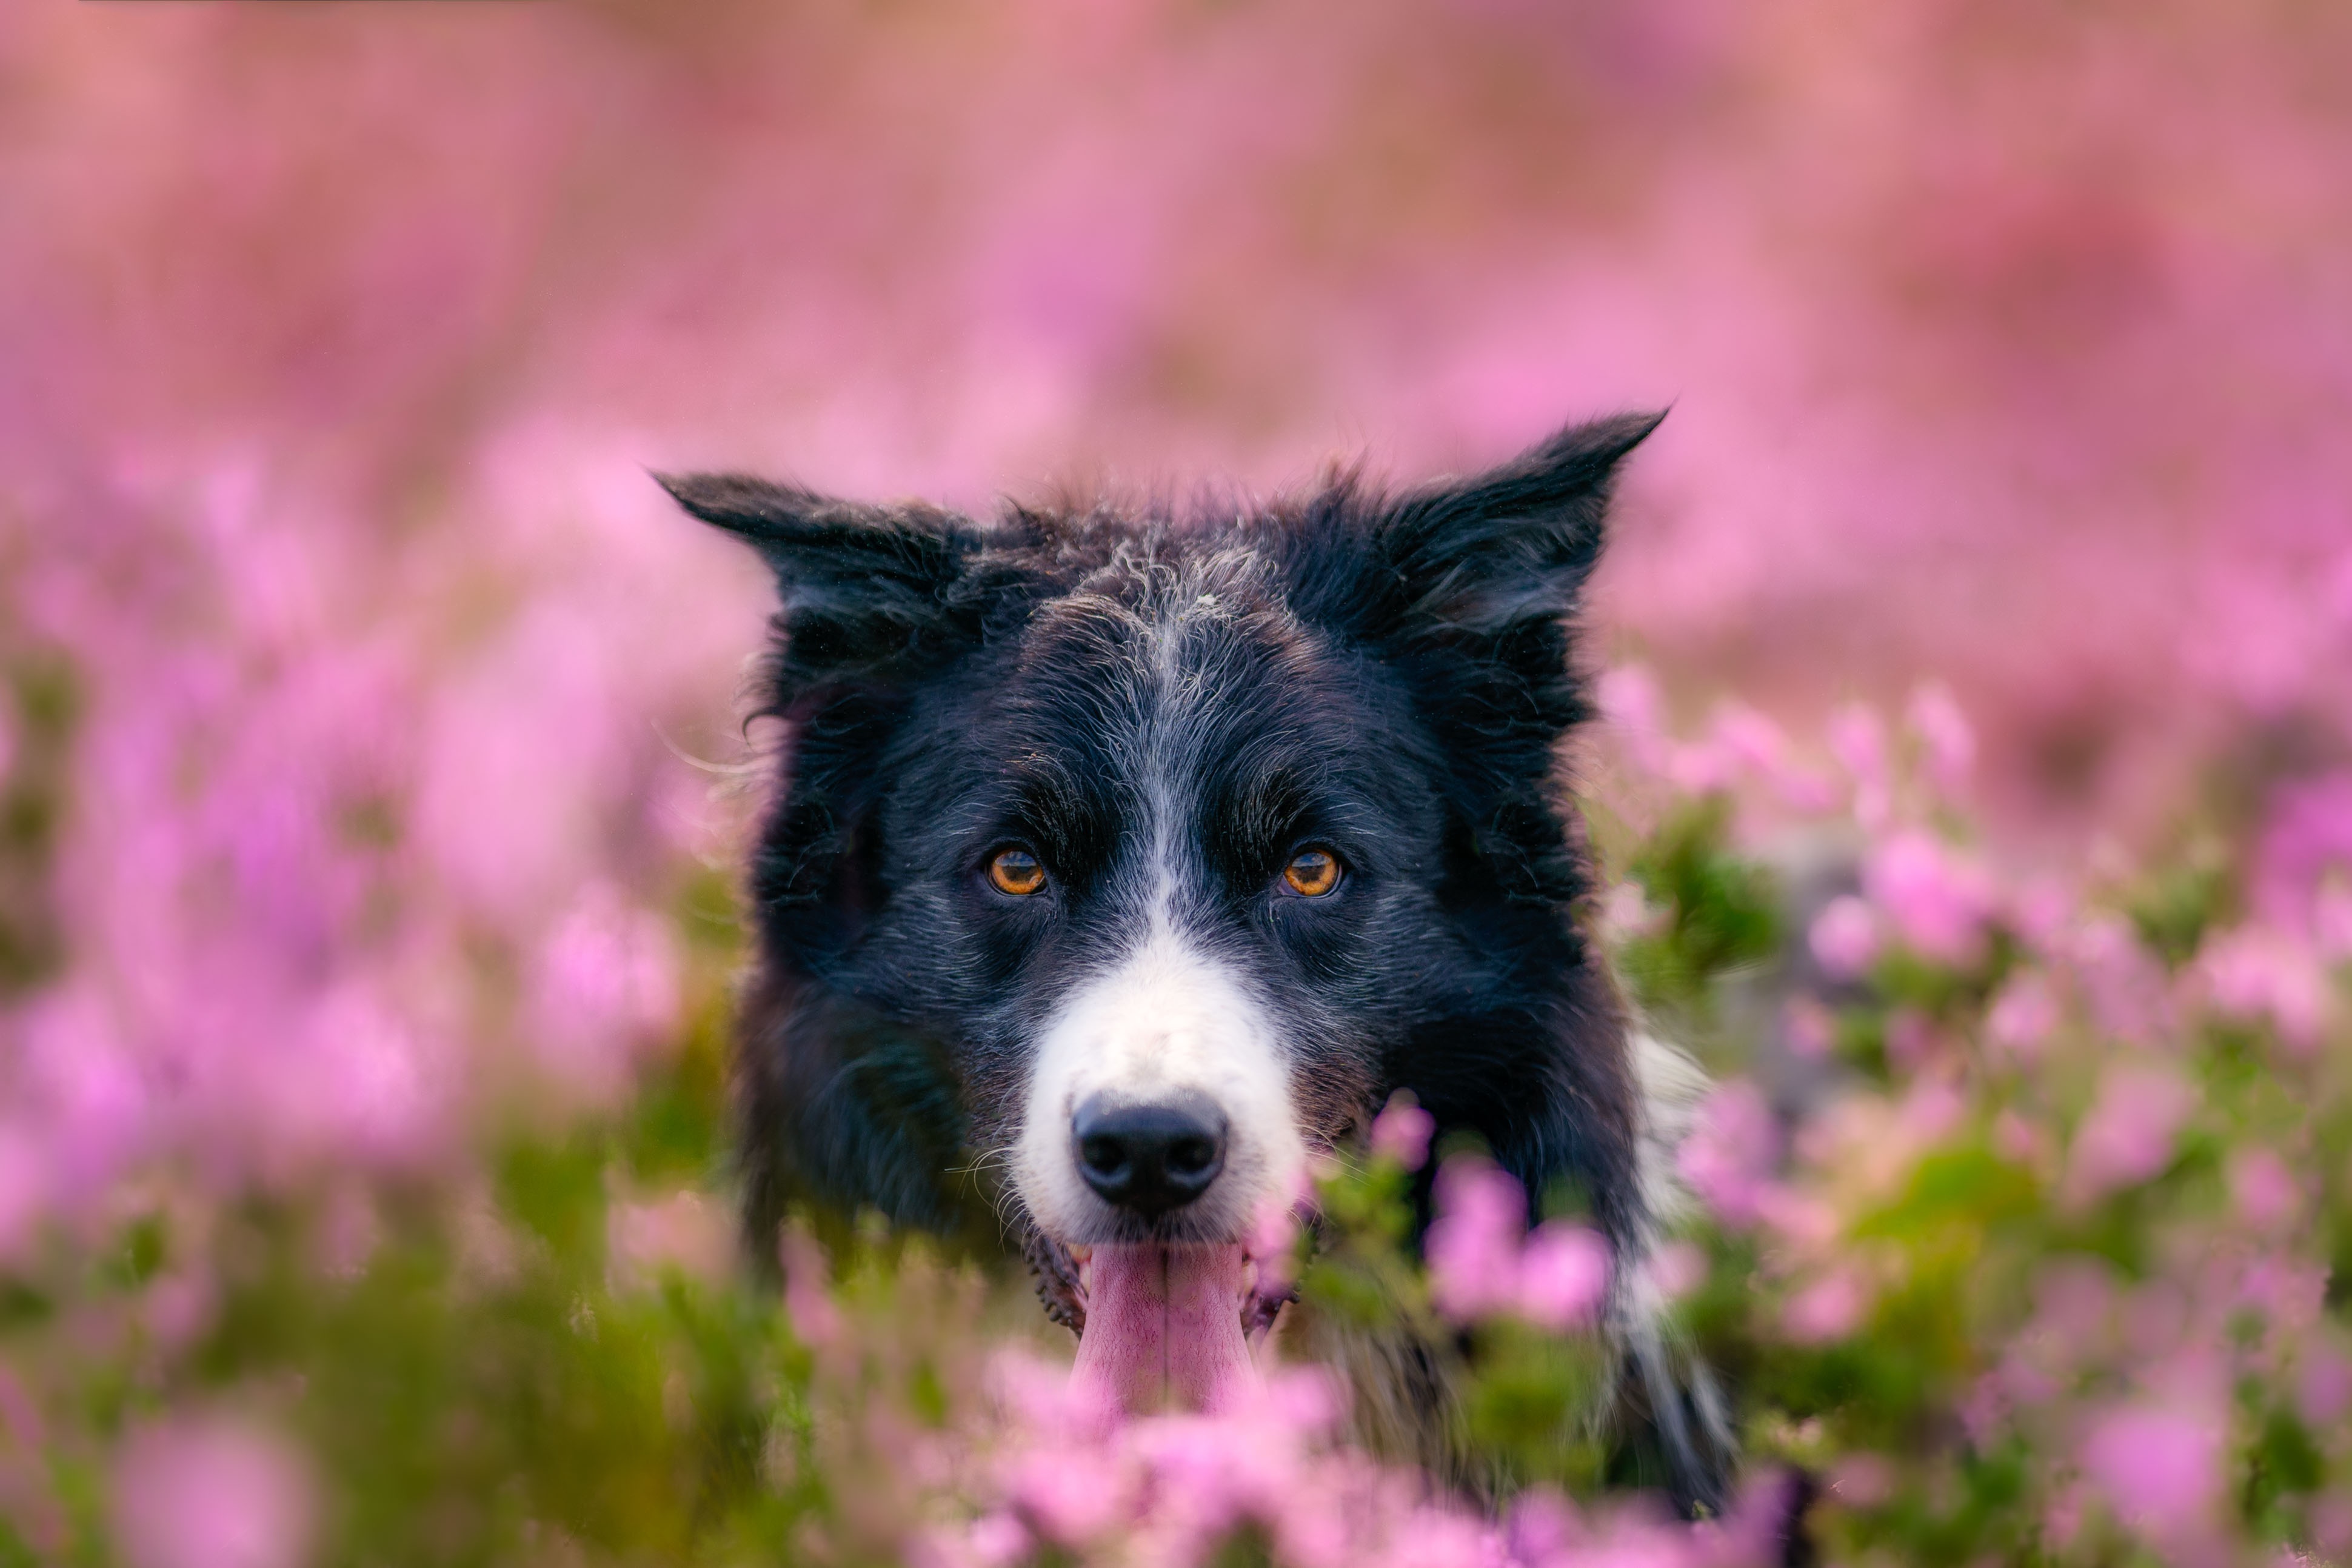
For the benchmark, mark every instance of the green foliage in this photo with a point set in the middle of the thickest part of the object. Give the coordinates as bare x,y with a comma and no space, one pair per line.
1721,910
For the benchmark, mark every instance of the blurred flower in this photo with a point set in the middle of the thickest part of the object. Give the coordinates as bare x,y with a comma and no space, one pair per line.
2254,972
1730,1154
2023,1016
808,1304
684,1231
2261,1189
607,981
211,1492
2127,1134
1474,1243
1937,900
2159,1469
1844,937
1828,1308
1400,1131
1564,1275
1857,739
1945,734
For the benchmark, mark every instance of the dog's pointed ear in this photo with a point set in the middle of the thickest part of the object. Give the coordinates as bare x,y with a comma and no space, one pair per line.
866,590
1513,544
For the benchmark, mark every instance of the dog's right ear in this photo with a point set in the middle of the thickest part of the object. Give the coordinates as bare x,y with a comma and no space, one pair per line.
867,591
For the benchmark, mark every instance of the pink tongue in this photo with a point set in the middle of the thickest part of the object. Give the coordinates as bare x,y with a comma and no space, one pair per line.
1164,1329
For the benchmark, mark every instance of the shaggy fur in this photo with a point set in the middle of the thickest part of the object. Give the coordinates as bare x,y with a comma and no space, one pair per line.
1164,706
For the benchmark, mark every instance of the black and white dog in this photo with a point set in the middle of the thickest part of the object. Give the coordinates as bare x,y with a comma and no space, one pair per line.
1127,858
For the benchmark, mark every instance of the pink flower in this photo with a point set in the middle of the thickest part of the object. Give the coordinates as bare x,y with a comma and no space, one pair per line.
1829,1309
1857,740
1728,1158
1072,1493
2127,1134
1473,1246
2261,1189
1400,1131
2264,975
1937,900
2160,1469
1808,1028
683,1231
210,1492
1630,699
2323,1385
1844,937
607,982
2022,1017
807,1302
1945,734
1564,1275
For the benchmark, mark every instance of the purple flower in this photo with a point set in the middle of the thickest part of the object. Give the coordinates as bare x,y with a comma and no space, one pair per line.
2159,1469
1400,1131
2127,1134
1474,1243
210,1492
1937,900
2022,1017
1730,1156
1564,1275
1844,937
1945,734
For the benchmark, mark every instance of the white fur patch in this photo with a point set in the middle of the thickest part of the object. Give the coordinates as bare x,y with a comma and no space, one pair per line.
1165,1019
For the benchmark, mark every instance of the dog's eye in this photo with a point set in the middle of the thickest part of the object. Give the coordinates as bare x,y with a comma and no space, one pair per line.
1016,871
1311,874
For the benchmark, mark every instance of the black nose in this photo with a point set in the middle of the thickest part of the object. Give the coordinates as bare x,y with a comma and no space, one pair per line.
1152,1158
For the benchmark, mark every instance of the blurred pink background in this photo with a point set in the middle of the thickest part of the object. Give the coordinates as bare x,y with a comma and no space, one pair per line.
2011,342
2010,347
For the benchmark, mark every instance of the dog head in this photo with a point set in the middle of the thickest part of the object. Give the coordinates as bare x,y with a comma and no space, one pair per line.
1125,858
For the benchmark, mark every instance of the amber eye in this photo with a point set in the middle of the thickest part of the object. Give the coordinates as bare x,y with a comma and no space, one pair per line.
1311,874
1016,871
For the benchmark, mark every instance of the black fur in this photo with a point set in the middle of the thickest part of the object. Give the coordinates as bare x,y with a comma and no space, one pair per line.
1389,673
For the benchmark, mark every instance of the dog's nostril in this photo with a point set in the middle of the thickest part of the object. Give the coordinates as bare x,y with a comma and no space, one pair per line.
1150,1158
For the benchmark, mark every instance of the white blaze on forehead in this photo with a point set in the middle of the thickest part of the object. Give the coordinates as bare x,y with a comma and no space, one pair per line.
1165,1019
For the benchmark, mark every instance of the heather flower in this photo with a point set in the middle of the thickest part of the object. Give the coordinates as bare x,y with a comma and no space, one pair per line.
1400,1131
2022,1017
1728,1158
2158,1468
2127,1134
684,1231
1945,734
2323,1389
1474,1243
1564,1275
2261,1189
1827,1308
1937,901
211,1492
1857,739
1844,937
807,1302
2262,975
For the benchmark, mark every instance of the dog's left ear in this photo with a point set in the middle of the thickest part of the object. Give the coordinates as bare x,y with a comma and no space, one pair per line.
866,590
1513,544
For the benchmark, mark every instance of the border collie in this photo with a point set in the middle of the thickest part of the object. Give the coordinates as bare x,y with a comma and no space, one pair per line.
1125,858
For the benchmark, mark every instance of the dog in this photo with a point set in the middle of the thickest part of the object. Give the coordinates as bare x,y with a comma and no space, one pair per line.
1129,857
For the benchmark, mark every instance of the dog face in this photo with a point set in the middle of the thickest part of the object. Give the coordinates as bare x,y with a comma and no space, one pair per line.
1125,859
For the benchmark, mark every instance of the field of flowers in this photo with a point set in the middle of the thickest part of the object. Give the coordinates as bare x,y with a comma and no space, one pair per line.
1975,785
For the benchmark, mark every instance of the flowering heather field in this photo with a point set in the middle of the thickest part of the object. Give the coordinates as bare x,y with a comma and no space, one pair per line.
1976,783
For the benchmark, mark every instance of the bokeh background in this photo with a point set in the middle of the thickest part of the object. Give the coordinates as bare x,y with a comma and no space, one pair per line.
368,711
2010,347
